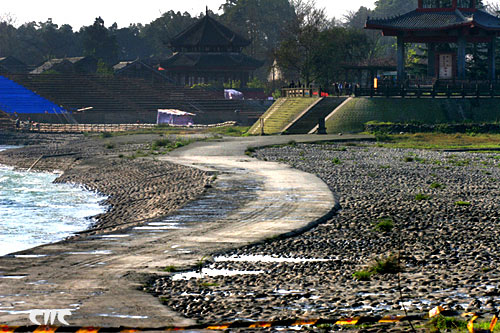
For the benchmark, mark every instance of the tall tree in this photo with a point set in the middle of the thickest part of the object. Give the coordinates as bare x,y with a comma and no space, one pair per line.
99,42
297,51
159,32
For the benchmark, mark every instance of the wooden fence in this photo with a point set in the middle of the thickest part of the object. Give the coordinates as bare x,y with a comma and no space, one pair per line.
101,128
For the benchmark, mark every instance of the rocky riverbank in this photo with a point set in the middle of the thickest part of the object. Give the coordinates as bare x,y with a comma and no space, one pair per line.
138,189
439,212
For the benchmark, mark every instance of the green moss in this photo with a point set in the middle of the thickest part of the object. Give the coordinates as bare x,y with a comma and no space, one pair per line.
462,203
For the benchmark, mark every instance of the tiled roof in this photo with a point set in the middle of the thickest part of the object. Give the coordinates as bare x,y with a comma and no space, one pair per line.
203,60
431,20
208,32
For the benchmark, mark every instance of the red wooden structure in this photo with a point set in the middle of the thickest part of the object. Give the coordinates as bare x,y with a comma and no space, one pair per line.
442,21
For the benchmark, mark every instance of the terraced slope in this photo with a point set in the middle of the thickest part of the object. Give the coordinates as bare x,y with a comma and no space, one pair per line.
352,116
281,113
309,120
6,122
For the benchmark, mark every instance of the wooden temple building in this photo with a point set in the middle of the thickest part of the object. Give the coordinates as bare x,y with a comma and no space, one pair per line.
438,22
208,52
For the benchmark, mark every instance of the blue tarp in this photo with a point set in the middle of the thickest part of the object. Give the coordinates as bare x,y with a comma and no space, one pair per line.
15,98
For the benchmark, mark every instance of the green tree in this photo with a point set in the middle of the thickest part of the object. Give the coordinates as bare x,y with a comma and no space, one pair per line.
99,42
298,50
159,32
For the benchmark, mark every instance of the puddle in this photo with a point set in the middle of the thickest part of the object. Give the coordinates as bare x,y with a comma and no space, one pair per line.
266,258
91,252
15,277
211,272
30,255
121,316
40,282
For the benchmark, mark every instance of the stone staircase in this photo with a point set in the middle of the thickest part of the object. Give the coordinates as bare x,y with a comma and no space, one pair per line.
305,123
281,113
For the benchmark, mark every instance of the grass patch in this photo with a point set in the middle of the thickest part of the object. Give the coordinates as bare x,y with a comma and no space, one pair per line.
167,130
384,225
408,159
336,161
462,203
436,186
442,323
209,284
170,269
443,141
421,196
362,275
106,135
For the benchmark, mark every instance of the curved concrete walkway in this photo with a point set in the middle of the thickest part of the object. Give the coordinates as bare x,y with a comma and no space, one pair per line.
98,277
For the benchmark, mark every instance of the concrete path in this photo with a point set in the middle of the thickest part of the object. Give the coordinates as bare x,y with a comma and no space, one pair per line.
98,278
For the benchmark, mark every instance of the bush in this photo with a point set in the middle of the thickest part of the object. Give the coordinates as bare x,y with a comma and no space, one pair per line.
388,265
160,143
106,135
384,225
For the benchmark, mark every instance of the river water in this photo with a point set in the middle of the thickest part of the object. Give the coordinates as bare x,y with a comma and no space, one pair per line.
34,211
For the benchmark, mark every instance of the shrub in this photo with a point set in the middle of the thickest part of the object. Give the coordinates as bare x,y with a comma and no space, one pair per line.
384,225
462,203
408,159
336,161
106,135
110,146
388,265
160,143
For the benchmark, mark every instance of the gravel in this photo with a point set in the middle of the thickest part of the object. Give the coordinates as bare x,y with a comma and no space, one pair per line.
445,211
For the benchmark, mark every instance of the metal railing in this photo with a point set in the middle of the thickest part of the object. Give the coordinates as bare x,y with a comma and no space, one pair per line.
434,91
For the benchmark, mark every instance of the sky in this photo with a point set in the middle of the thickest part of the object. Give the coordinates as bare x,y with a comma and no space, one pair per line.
83,12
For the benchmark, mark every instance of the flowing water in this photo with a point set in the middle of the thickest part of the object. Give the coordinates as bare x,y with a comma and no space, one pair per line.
34,211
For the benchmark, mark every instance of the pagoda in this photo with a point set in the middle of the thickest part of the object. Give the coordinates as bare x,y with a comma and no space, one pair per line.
208,52
442,22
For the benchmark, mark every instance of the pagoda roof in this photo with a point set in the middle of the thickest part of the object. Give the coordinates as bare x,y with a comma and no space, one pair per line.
424,20
208,32
207,61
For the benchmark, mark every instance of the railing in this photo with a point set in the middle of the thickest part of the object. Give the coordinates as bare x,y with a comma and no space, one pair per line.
435,91
100,128
300,92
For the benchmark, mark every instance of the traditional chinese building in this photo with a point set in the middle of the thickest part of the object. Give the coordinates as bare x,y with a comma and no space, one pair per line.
209,52
437,22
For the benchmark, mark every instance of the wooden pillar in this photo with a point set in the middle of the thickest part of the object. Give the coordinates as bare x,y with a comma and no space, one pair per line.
462,43
431,60
492,59
401,59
